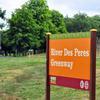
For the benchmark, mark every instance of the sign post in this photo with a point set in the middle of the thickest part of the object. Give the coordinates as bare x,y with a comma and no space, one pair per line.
93,65
71,61
47,67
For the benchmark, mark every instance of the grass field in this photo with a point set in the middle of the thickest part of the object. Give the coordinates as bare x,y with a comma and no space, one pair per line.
23,78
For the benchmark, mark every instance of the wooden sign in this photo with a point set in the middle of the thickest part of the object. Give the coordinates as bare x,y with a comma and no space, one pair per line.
71,61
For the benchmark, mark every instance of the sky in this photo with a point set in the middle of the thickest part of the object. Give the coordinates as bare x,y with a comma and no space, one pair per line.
71,7
66,7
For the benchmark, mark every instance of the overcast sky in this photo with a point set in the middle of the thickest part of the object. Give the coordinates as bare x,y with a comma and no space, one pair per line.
66,7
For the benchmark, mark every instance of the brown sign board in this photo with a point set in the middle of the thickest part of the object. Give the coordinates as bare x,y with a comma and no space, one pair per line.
71,62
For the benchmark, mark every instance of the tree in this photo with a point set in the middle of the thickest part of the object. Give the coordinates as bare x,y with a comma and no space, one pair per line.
28,26
94,21
69,23
58,21
22,28
79,23
6,45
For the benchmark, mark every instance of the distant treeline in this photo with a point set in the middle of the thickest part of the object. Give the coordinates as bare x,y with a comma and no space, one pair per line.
29,24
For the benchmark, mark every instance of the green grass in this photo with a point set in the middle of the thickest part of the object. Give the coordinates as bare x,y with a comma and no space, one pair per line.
24,79
70,35
98,63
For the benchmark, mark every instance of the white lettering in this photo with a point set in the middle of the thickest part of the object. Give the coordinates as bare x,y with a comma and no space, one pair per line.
78,52
61,64
55,52
68,52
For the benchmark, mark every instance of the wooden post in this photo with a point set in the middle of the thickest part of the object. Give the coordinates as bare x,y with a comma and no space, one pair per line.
47,67
93,65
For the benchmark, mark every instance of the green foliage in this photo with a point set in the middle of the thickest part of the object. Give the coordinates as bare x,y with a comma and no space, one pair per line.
82,23
29,24
79,23
58,21
22,30
95,22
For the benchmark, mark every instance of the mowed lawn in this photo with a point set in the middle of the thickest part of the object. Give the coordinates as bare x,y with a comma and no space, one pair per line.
23,78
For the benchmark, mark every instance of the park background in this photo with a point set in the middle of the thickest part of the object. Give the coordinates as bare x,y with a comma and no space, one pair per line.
23,45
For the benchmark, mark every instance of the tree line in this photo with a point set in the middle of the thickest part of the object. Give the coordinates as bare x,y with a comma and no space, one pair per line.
29,24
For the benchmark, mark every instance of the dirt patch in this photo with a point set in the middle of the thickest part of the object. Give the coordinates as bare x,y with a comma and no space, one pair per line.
15,72
5,96
98,71
11,74
98,76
